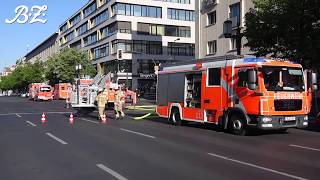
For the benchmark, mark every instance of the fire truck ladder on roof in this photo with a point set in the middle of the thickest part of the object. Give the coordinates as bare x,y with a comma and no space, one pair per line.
206,59
101,79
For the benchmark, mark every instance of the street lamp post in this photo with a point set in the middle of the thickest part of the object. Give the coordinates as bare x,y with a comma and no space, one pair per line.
78,69
227,32
174,56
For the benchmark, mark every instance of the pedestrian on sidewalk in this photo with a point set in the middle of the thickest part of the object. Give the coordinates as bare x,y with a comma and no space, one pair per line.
101,99
119,100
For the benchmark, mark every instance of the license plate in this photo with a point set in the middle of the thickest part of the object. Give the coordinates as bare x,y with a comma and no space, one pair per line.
290,118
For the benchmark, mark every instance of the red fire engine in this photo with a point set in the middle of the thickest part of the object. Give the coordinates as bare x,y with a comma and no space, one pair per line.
235,93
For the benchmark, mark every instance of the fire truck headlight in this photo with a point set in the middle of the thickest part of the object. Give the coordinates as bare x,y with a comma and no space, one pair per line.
305,123
306,118
266,119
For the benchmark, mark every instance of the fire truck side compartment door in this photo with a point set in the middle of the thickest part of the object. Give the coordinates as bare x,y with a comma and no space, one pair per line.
212,93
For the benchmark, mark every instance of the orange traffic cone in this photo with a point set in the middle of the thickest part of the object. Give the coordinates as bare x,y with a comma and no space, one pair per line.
71,119
43,118
104,119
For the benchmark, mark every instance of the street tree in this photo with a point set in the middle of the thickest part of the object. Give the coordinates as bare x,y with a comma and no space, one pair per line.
285,29
61,66
22,76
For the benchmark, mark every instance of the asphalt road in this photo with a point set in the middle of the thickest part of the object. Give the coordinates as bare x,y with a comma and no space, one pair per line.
138,150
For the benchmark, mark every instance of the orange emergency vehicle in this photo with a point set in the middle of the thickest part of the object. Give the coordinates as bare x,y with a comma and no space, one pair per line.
62,91
235,93
40,91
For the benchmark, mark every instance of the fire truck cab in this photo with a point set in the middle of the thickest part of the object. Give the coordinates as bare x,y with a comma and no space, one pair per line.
40,91
235,93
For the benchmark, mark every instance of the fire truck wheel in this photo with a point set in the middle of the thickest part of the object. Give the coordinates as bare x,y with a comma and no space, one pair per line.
237,125
175,117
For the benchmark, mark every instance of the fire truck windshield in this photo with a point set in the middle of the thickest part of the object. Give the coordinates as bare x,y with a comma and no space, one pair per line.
283,78
45,89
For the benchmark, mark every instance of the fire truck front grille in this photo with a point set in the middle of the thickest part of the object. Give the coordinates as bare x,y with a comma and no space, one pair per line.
288,105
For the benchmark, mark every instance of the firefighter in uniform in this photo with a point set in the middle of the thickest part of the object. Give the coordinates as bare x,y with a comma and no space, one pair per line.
119,98
101,99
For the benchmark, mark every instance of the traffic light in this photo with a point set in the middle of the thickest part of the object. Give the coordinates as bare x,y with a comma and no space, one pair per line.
119,54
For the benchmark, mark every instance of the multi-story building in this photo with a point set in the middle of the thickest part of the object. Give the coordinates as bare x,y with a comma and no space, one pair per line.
8,70
44,50
147,31
210,18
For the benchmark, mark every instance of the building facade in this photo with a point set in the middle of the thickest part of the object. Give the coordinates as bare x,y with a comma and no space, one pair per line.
7,71
210,18
43,51
147,31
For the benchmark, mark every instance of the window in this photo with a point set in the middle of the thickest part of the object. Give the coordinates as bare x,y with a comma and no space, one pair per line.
124,27
214,77
70,36
125,66
212,47
121,9
82,29
233,44
243,78
101,51
181,49
137,10
89,10
76,45
75,20
120,27
212,19
235,14
143,28
64,28
105,32
146,66
160,30
180,14
163,30
90,39
176,1
100,18
171,31
128,10
147,47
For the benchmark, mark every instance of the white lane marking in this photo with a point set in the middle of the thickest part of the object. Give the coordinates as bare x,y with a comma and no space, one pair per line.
18,115
57,139
112,172
258,167
304,147
141,134
83,119
31,123
32,113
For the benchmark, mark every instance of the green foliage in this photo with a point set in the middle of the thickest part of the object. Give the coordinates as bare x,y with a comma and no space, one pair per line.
22,76
61,67
286,29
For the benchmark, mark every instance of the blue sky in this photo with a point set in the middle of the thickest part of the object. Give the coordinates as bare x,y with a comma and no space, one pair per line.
16,37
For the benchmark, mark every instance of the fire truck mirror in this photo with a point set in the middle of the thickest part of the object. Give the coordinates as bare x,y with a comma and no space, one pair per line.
252,79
